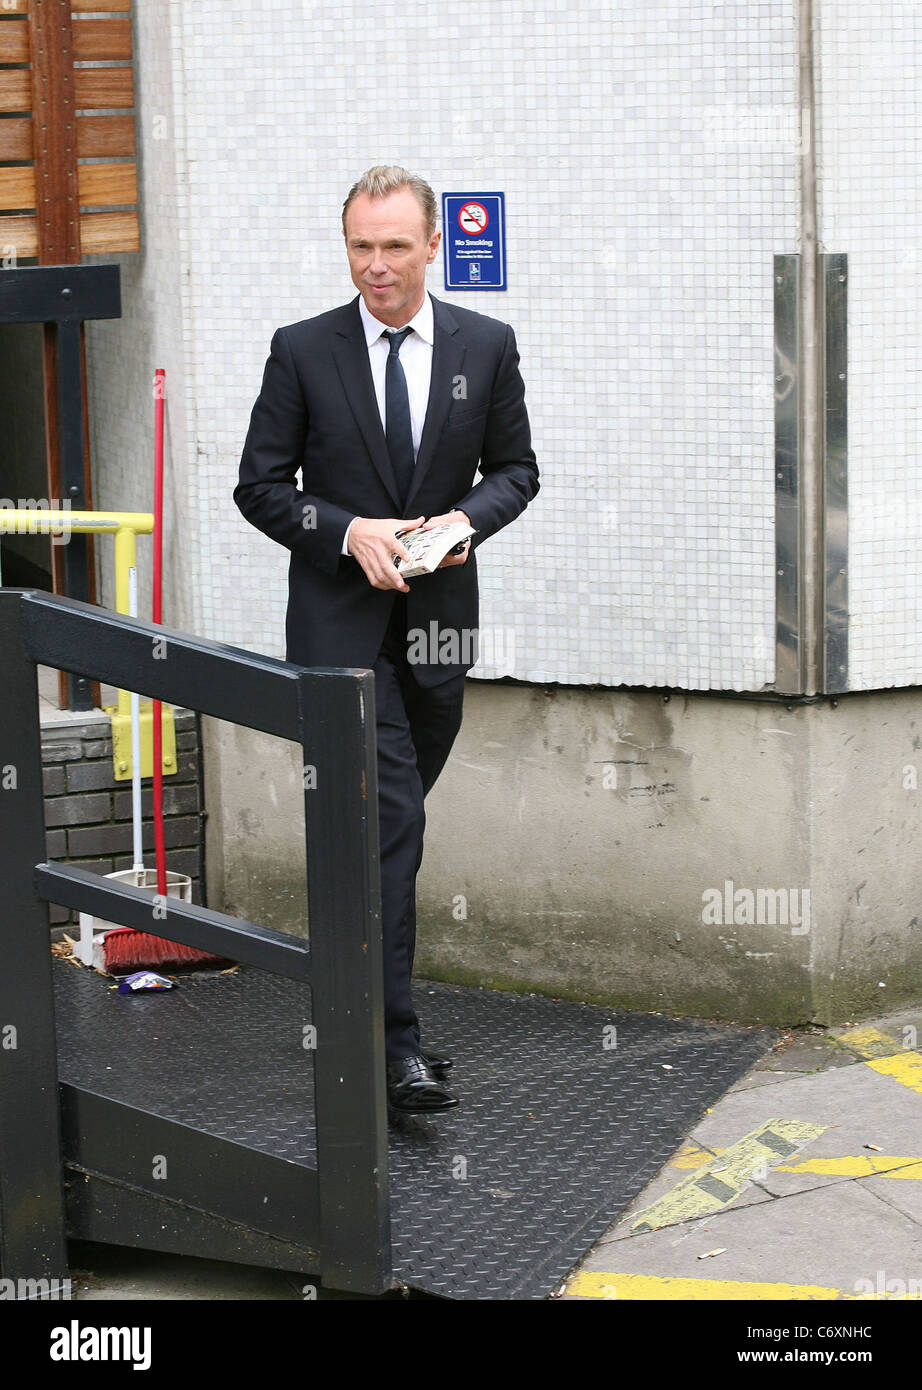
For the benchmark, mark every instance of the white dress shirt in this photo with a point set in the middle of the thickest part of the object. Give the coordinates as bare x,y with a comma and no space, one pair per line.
416,358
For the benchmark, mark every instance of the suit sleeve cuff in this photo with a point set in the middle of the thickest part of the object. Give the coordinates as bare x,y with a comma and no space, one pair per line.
345,549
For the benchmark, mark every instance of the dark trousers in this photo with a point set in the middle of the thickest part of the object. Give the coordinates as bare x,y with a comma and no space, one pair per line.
416,728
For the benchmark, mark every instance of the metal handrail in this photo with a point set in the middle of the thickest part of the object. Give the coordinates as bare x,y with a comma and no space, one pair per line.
125,526
331,714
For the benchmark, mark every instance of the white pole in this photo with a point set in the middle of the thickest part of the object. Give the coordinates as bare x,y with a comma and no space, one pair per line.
136,747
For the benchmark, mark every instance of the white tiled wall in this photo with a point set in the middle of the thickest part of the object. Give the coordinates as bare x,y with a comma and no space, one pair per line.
869,154
157,329
647,154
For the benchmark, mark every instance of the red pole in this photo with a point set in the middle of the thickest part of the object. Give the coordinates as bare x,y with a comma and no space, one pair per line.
159,847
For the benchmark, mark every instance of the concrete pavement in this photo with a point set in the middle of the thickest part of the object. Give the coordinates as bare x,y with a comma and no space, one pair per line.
803,1182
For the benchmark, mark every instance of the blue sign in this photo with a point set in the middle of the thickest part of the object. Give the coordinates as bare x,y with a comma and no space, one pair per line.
474,238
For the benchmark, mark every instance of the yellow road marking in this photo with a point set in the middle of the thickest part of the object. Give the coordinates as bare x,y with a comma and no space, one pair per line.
690,1156
721,1180
633,1287
842,1166
868,1042
858,1166
905,1067
885,1055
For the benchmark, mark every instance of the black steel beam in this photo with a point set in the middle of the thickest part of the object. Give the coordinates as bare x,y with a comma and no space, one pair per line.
57,293
129,1145
344,907
31,1206
164,663
72,479
113,1214
200,927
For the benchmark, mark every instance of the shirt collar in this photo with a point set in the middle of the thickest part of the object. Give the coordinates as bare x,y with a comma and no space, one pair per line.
422,323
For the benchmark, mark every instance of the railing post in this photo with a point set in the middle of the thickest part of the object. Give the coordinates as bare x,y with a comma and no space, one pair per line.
32,1243
344,904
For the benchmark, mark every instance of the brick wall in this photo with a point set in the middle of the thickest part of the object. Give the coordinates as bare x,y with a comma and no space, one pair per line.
88,813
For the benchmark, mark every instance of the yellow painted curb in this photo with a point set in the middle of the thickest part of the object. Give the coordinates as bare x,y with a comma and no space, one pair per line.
634,1287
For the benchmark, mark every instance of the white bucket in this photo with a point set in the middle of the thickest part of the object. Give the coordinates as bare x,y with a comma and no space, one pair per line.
89,949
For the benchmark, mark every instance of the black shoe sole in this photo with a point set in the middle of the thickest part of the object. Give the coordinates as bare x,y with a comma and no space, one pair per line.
423,1110
438,1071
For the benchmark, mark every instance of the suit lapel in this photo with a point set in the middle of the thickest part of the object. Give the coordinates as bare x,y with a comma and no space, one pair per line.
447,357
350,353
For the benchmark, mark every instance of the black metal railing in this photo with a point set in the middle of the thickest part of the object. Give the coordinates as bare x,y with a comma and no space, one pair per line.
330,713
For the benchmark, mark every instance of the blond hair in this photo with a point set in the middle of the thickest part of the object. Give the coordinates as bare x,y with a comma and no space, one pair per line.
383,179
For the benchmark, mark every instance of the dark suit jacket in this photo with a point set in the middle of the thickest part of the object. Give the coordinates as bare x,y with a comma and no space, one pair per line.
316,412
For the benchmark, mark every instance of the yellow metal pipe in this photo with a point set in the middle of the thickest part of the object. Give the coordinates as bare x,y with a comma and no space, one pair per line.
36,520
126,559
126,526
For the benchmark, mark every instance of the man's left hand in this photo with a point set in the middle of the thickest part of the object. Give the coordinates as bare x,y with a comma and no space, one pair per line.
438,521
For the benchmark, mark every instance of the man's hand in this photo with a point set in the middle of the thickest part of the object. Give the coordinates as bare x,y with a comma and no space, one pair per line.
374,544
452,516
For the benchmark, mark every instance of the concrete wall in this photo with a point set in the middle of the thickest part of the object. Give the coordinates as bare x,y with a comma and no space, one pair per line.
580,843
582,828
867,867
254,834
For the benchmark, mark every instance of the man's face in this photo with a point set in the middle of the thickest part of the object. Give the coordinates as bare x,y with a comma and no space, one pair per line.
388,249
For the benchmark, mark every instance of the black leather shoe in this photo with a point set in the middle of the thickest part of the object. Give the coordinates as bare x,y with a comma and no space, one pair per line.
413,1089
439,1066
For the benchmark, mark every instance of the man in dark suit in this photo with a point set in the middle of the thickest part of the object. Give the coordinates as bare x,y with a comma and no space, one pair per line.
386,406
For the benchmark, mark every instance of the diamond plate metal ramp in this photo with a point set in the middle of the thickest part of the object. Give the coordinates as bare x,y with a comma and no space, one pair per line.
556,1133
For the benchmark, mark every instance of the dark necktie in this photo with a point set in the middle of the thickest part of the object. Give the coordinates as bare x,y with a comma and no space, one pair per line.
398,430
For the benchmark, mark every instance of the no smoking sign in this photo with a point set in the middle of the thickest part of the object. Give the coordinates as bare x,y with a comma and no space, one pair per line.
474,240
473,218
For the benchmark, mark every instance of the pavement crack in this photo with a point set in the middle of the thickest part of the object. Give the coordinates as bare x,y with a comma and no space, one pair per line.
873,1192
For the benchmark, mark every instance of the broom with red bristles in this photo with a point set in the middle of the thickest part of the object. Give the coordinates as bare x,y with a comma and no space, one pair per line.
126,950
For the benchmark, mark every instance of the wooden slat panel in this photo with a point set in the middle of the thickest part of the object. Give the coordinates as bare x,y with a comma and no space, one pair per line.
99,185
77,6
109,231
101,136
103,185
17,189
16,138
55,147
16,90
99,87
14,41
22,234
101,39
